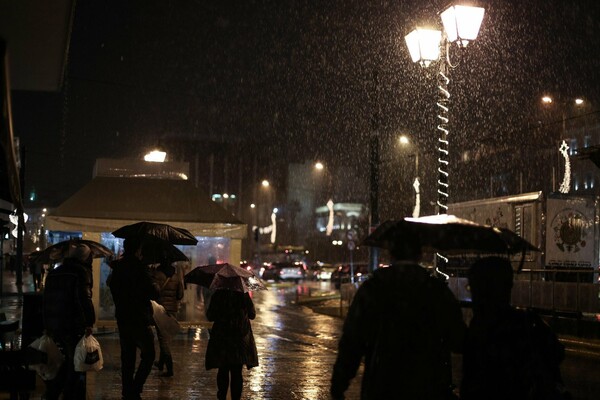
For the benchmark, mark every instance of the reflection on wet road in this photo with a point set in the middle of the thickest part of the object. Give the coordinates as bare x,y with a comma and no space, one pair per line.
295,338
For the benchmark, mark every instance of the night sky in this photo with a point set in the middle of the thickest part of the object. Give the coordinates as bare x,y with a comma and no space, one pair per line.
289,81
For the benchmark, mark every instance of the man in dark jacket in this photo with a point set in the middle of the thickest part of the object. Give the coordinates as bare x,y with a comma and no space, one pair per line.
509,353
132,289
68,315
404,323
171,292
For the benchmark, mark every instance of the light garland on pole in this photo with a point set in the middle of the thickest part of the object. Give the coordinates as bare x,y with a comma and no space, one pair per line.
565,186
461,26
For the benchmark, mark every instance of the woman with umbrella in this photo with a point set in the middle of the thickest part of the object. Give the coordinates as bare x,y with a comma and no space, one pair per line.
171,292
231,344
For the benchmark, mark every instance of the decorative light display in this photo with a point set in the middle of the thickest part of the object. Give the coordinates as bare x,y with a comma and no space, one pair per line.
461,26
329,229
566,183
417,209
273,226
443,152
14,219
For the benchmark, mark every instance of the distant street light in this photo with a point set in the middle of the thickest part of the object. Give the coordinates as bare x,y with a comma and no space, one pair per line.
155,156
426,46
319,166
265,183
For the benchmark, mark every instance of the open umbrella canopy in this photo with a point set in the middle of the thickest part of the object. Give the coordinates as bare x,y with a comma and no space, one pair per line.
224,276
166,232
59,251
449,235
155,251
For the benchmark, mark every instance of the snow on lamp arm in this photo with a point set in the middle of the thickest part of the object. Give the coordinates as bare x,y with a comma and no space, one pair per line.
566,183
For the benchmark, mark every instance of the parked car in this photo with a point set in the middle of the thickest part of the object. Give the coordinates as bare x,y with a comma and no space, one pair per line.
341,274
282,271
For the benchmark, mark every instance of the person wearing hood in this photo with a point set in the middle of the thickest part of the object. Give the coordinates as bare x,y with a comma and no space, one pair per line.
404,323
68,315
132,288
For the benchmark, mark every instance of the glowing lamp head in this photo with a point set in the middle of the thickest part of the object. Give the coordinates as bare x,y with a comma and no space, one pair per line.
155,156
424,45
462,23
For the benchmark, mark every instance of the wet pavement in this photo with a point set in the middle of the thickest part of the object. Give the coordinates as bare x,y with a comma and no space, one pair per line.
296,346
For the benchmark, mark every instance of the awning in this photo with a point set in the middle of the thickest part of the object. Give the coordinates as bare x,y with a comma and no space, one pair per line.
107,203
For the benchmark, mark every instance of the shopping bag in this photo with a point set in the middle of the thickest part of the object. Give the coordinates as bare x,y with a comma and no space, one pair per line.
55,358
167,325
88,355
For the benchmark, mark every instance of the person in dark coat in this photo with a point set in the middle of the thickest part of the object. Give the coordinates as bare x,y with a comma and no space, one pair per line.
132,289
231,344
404,323
68,315
509,353
171,293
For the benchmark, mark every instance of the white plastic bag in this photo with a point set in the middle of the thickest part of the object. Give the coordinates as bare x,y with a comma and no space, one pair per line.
167,325
88,355
46,345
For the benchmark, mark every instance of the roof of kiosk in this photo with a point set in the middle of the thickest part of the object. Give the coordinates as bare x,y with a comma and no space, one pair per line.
107,203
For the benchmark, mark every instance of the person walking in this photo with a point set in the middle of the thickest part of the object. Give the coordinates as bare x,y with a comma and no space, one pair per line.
509,353
132,289
231,344
69,314
404,323
170,283
36,270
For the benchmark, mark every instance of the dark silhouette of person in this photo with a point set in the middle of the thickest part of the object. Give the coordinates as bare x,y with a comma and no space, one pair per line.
404,323
132,288
36,270
509,353
231,344
68,315
171,293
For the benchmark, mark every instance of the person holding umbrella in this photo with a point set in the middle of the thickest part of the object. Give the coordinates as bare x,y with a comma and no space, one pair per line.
132,288
68,315
405,323
231,344
171,293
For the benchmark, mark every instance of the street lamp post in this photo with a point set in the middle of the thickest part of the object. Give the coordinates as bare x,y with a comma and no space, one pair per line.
426,46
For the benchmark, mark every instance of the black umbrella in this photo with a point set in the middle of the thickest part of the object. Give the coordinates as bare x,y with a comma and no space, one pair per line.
59,251
166,232
449,235
156,251
224,276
